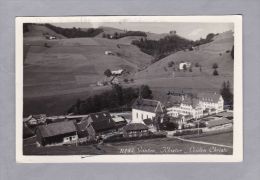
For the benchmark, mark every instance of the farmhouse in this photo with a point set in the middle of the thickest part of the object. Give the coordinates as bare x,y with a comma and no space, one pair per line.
85,130
144,109
184,64
57,134
135,130
109,53
101,122
117,72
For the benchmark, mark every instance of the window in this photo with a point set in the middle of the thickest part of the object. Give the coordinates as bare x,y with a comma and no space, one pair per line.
142,117
136,115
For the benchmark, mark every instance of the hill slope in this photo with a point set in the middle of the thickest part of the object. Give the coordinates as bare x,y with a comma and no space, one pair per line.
205,55
62,64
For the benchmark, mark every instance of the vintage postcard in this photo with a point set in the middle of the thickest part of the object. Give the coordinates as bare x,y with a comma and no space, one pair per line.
129,89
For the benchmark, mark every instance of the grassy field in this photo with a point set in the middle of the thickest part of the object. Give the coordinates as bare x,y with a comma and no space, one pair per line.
151,146
56,76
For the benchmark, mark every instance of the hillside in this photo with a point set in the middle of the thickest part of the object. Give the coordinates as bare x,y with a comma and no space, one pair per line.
205,55
162,78
73,63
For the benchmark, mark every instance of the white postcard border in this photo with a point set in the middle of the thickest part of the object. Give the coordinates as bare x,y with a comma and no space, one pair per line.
237,155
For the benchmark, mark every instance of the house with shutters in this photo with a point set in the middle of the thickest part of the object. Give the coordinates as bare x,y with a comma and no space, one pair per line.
145,109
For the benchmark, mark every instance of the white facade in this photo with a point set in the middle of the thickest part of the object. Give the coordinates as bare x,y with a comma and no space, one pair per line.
206,103
184,109
117,72
187,64
139,115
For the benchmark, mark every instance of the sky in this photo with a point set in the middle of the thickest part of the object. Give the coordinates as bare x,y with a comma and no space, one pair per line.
192,31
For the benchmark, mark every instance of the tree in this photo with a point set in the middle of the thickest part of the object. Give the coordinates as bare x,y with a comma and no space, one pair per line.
108,73
190,69
209,37
215,66
226,93
232,52
200,69
197,64
126,80
215,72
184,67
146,92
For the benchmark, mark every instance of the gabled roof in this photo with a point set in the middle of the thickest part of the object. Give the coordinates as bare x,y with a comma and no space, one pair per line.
102,121
191,102
135,127
209,97
55,129
147,105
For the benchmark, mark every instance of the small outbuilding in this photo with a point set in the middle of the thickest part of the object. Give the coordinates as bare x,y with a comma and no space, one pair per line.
135,130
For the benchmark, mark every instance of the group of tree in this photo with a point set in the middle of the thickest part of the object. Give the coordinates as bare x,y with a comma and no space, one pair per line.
75,32
116,98
117,35
162,47
226,93
209,38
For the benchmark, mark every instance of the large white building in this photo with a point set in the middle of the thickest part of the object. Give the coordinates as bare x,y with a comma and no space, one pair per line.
211,101
196,107
145,109
186,106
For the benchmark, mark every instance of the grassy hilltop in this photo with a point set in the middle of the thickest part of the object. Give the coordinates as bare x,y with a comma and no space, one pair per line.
57,72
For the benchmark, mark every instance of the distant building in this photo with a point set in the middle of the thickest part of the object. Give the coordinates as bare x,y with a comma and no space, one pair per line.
109,53
135,130
187,64
117,72
144,109
57,134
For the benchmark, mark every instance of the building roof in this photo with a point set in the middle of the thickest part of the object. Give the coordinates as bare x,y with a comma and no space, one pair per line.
191,102
147,105
135,127
102,121
209,97
218,122
58,128
172,100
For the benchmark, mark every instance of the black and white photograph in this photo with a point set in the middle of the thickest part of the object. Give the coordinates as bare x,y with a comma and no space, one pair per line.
129,88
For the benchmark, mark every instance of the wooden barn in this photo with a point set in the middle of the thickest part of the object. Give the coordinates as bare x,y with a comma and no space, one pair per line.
57,134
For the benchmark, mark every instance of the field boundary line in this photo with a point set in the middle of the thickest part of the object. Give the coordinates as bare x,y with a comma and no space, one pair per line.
202,142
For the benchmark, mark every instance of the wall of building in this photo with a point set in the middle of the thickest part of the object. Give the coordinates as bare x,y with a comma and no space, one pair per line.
138,115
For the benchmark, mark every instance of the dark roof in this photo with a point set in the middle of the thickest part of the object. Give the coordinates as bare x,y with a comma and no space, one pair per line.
102,121
172,100
147,105
148,121
59,128
135,127
209,97
191,101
